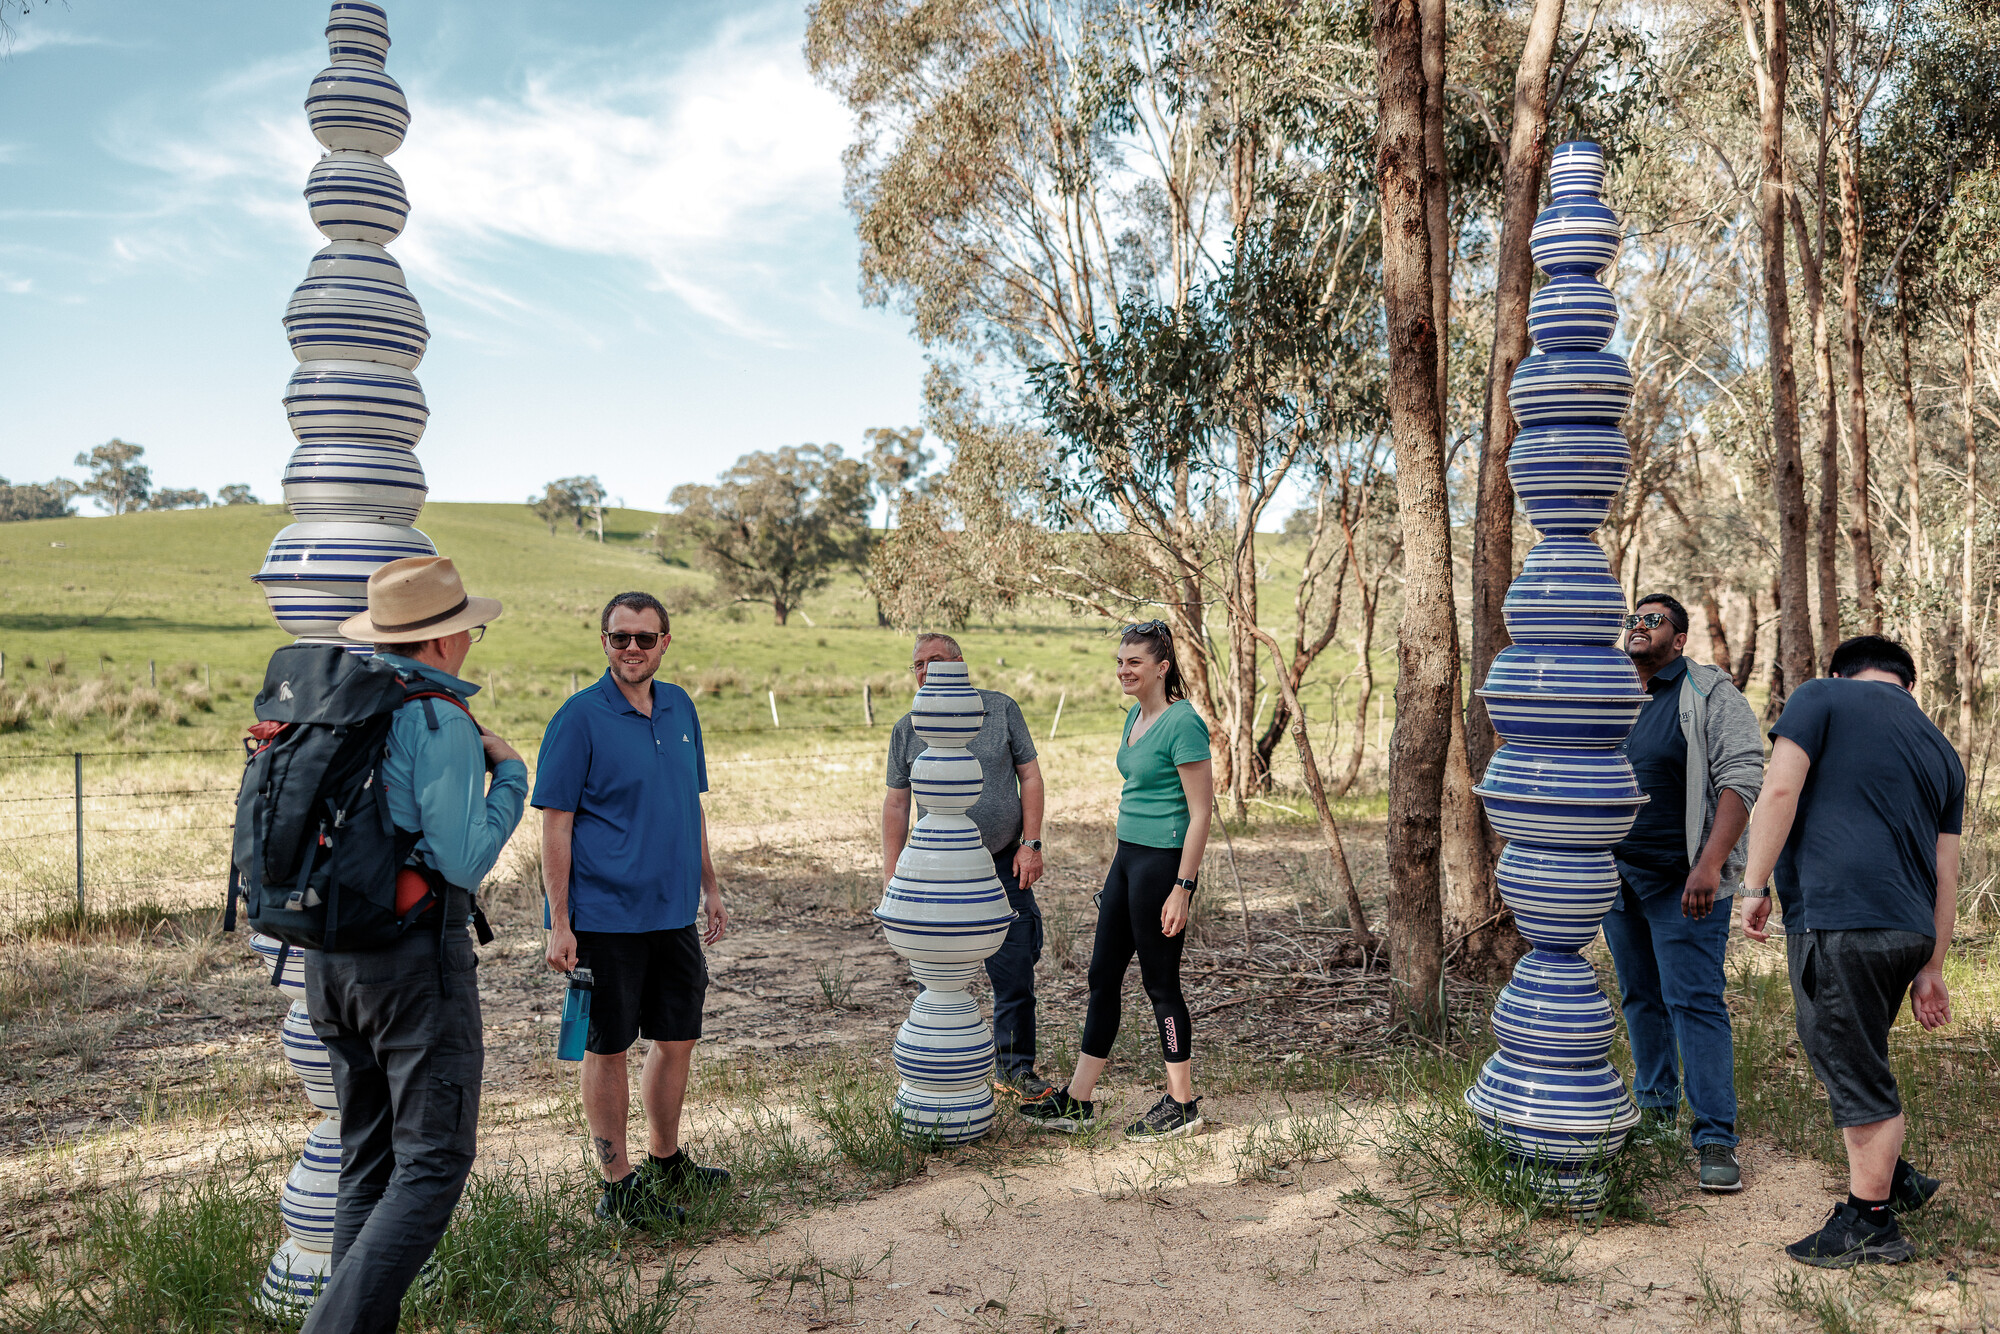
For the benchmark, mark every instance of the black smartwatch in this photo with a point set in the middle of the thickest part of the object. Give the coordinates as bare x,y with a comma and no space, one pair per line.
1187,885
1034,843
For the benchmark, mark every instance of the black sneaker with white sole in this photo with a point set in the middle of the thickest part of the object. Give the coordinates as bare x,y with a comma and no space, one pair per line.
1847,1239
1058,1111
1720,1174
1167,1120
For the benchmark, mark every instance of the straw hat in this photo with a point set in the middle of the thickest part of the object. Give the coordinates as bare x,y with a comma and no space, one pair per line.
414,599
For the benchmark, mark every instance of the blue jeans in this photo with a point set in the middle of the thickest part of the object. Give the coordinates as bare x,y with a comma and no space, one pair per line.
1670,971
1011,970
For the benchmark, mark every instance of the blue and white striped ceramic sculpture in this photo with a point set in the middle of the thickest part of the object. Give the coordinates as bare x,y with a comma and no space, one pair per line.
293,1277
1563,699
945,911
356,412
355,406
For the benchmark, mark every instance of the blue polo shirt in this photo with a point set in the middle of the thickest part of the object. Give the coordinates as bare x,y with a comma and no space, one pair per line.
635,784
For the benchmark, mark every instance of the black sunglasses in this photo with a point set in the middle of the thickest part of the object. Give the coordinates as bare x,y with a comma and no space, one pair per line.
1150,628
1652,620
645,639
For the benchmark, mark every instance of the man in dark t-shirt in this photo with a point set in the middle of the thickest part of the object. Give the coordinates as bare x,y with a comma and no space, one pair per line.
1860,818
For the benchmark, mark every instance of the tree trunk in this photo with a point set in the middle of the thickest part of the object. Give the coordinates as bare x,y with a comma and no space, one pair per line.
1514,280
1968,663
1860,526
1769,63
1357,917
1718,636
1250,776
1425,659
1365,663
1913,483
1812,261
1476,920
1747,664
779,611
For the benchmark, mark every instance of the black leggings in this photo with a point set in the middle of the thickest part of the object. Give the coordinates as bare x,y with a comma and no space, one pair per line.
1128,923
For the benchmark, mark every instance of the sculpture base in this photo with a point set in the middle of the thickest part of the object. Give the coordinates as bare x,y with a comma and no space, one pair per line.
292,1282
944,1116
1578,1192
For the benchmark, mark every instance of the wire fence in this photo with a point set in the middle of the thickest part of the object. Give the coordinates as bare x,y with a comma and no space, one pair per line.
116,831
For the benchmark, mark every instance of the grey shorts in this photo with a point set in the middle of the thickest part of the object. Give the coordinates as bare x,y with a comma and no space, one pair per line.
1847,987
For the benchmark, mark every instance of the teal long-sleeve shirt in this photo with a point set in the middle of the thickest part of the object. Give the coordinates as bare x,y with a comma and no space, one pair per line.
436,782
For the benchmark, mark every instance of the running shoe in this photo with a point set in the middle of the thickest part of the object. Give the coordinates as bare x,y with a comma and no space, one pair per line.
1720,1172
1026,1086
1847,1239
1058,1111
1910,1190
1167,1120
677,1177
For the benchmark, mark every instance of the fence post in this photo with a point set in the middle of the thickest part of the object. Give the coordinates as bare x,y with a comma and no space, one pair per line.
1058,718
152,674
77,756
772,695
867,704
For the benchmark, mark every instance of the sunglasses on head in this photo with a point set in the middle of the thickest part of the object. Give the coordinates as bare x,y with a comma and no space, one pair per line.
1150,628
1652,620
645,639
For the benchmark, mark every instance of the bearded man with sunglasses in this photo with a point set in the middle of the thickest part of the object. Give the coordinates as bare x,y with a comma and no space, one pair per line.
1699,756
625,864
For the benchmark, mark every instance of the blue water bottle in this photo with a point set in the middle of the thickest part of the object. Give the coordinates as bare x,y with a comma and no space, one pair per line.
576,1016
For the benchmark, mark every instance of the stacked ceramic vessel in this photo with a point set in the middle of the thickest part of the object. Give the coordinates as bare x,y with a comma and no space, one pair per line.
355,408
1563,698
945,911
293,1278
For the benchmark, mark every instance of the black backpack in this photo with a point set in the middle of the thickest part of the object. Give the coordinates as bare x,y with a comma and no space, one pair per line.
316,853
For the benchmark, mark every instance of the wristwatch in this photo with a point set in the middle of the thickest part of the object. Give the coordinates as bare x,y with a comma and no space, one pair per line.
1034,843
1180,883
1761,892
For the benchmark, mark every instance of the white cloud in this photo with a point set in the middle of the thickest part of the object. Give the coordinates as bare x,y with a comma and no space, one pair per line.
714,172
22,41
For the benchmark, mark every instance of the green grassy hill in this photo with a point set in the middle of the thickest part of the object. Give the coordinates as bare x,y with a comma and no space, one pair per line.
96,599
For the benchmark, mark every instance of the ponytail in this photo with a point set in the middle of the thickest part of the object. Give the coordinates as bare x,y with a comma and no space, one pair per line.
1158,638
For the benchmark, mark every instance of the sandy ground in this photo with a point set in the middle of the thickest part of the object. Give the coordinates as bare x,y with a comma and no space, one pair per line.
1025,1234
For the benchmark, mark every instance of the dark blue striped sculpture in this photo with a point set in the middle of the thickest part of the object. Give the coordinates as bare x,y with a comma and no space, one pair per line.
1562,699
945,911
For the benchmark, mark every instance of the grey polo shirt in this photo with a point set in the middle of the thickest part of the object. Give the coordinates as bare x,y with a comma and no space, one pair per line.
1003,742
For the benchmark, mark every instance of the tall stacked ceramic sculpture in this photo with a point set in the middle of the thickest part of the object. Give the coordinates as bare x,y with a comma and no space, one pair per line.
354,404
945,911
353,484
1562,699
292,1279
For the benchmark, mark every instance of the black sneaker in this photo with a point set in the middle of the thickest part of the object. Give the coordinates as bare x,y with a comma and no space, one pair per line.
1167,1120
1847,1239
1056,1110
1026,1086
1720,1173
627,1201
1910,1190
676,1177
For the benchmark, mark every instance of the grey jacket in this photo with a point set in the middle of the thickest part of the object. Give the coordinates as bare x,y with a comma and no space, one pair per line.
1719,726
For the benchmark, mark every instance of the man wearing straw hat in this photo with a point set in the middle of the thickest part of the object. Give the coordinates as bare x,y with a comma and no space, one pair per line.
401,1024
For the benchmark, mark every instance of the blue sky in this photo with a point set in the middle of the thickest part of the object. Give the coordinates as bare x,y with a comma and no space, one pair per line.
626,232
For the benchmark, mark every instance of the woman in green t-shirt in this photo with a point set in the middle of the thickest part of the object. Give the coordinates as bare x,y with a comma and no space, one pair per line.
1163,817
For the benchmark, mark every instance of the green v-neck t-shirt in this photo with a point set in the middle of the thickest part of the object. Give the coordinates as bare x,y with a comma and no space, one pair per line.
1152,809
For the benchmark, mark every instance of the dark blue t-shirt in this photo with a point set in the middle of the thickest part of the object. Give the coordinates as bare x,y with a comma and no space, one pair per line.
635,784
1884,784
1652,859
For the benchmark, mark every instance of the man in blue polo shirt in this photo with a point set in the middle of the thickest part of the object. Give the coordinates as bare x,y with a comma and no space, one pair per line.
625,863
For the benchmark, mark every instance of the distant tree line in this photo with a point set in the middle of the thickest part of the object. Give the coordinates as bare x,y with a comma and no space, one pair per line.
572,501
117,483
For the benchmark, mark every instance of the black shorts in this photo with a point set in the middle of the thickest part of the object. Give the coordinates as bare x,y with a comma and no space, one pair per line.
647,984
1847,987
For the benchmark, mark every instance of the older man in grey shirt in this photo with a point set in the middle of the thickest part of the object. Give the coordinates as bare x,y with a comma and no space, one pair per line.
1009,816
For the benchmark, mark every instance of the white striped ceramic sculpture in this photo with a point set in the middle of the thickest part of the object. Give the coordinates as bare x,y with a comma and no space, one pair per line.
293,1278
1562,698
354,404
945,911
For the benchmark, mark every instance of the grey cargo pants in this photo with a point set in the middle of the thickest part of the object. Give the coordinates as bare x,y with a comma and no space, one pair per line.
407,1053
